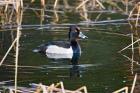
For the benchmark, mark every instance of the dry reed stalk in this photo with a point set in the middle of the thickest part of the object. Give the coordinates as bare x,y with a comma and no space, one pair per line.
15,3
134,83
83,3
66,4
114,5
135,13
98,16
138,14
126,8
36,13
132,62
132,15
52,88
8,51
129,46
43,3
84,88
131,12
6,7
61,85
55,4
19,22
94,3
12,38
17,6
38,90
21,3
130,59
122,90
32,1
126,4
11,15
11,90
100,4
85,12
56,19
16,60
42,17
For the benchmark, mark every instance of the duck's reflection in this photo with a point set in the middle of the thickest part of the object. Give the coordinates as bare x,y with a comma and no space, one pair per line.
75,71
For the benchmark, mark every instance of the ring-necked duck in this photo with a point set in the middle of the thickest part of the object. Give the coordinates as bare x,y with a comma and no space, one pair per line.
64,49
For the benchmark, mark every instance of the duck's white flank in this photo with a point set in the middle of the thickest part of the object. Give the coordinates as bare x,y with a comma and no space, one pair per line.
57,52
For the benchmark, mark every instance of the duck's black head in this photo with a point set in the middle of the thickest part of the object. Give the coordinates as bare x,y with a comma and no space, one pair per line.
75,33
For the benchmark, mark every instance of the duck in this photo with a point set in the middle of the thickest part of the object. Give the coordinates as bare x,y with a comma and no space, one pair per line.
69,49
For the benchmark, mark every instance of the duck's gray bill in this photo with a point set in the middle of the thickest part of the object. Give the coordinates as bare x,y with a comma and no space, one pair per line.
81,35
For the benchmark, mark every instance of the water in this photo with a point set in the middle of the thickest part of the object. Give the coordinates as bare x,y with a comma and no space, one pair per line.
101,68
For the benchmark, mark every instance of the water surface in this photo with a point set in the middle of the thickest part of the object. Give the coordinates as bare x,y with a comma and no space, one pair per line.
101,68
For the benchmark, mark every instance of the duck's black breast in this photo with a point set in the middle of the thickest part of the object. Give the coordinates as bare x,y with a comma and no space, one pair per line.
76,52
64,44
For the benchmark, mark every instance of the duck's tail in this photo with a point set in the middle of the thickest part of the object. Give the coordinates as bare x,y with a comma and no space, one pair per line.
36,50
40,49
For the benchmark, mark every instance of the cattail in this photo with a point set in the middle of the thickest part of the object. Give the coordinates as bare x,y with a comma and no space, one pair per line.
43,3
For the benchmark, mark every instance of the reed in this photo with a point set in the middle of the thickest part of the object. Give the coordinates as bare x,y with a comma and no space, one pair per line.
16,11
93,4
136,62
135,13
129,45
126,9
19,22
65,2
8,52
132,62
56,16
134,83
40,88
125,89
55,4
42,2
84,13
122,90
58,88
15,3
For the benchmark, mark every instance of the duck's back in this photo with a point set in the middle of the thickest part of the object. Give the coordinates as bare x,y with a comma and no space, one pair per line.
64,44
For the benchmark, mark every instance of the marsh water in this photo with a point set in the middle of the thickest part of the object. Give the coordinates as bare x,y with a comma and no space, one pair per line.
101,68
